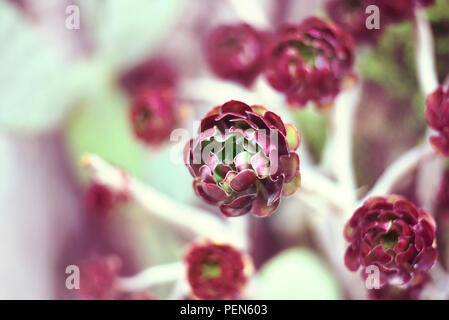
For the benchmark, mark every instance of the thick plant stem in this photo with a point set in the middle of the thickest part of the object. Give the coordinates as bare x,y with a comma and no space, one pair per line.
424,54
199,222
152,276
427,185
338,155
250,11
399,169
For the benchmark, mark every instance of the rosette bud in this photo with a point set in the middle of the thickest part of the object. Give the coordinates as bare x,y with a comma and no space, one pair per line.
244,159
217,271
390,233
152,115
236,52
437,115
98,276
310,62
350,15
354,15
152,73
100,199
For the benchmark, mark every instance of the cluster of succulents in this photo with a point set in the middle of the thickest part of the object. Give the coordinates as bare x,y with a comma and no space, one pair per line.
244,158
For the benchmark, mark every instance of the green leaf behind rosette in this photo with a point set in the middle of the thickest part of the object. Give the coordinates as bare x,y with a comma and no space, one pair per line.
124,31
167,172
297,274
100,125
312,125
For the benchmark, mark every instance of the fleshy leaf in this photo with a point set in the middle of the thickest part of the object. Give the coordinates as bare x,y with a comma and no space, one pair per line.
293,138
291,187
299,266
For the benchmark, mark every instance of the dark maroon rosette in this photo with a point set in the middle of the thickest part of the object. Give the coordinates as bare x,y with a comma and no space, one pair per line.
392,234
98,276
244,159
437,115
152,115
351,15
310,62
99,199
236,52
216,271
152,73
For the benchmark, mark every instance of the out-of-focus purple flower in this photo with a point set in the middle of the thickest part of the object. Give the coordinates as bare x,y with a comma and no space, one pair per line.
98,276
216,271
392,234
437,115
244,159
152,73
236,52
99,198
152,115
351,15
310,62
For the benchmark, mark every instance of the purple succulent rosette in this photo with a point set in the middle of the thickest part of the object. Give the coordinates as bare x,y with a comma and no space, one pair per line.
236,52
351,15
310,62
244,159
437,115
392,234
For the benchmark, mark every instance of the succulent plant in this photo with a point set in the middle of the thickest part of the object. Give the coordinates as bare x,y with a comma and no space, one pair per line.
393,235
152,115
98,275
216,271
244,159
437,115
155,72
236,52
310,62
351,15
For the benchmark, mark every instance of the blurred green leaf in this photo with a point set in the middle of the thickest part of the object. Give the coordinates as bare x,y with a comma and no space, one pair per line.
440,11
312,124
297,273
100,125
168,173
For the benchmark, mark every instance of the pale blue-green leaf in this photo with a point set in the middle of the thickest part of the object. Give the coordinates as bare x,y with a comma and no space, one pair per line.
100,125
35,85
167,173
126,31
296,273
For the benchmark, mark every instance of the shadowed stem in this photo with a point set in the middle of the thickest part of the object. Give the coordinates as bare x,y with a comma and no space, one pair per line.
399,169
152,276
199,222
424,54
250,11
338,155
